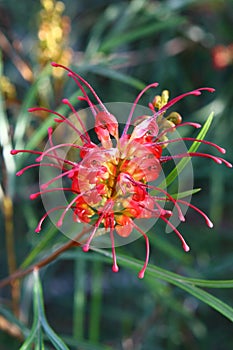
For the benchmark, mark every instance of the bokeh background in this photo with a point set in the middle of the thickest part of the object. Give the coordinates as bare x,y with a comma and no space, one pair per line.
118,46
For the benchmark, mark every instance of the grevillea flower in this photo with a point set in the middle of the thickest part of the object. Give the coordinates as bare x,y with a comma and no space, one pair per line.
112,179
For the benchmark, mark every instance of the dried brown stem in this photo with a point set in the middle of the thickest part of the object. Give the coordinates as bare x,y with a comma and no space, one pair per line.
10,247
10,328
20,64
22,273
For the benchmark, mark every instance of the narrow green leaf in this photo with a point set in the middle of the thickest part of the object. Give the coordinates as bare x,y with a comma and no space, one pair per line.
39,345
164,274
188,284
96,302
96,35
185,193
208,299
45,240
140,32
86,345
113,74
32,337
39,303
53,337
23,117
79,297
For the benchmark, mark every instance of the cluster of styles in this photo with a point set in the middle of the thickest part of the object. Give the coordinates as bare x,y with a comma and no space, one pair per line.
111,181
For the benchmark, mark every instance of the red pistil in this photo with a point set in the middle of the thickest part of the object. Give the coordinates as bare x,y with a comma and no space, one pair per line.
220,149
106,211
174,201
217,160
142,271
60,221
184,244
84,82
66,173
14,151
45,153
85,96
207,220
196,92
50,131
134,106
172,128
67,102
64,119
37,194
38,228
20,172
115,267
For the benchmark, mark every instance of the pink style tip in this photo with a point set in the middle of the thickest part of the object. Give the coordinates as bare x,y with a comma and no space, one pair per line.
50,130
32,109
34,196
141,274
85,248
54,64
209,223
115,268
186,247
59,223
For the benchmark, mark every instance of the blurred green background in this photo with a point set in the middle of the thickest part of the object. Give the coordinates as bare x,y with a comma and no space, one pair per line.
119,47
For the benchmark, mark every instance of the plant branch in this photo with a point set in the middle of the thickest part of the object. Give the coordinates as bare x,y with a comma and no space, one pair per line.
22,273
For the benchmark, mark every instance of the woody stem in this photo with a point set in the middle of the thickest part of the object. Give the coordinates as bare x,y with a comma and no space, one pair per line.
22,273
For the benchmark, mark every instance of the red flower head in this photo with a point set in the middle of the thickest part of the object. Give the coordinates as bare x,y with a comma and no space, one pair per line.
112,183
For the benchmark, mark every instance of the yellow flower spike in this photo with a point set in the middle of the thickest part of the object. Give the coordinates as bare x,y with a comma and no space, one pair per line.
53,35
7,88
